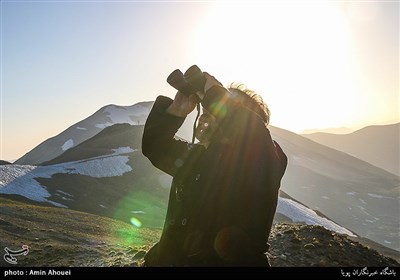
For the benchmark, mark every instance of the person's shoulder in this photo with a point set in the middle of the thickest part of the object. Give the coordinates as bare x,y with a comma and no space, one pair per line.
162,100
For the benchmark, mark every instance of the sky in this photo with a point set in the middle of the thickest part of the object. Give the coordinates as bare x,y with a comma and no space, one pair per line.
317,64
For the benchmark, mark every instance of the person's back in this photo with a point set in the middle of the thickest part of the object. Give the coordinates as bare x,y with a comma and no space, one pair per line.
223,196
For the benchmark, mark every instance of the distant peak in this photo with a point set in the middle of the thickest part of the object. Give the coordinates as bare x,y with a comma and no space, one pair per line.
143,103
334,130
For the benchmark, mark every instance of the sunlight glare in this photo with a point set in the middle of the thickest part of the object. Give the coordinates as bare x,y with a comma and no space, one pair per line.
295,56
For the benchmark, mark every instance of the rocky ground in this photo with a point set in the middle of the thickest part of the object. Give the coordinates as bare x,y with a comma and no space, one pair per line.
304,245
61,237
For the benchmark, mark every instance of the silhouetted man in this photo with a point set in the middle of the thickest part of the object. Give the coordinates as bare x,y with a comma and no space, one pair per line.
225,188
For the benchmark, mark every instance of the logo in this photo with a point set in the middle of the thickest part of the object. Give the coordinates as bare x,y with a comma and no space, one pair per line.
9,256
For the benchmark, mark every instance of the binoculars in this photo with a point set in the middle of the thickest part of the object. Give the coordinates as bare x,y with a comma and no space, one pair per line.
188,83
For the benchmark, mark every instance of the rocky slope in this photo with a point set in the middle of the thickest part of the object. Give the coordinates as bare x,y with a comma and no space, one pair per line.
303,245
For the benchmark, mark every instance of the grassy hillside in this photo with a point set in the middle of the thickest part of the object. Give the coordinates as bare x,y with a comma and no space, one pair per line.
62,237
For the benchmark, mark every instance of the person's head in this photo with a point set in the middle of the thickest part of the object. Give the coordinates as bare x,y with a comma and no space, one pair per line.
207,128
251,100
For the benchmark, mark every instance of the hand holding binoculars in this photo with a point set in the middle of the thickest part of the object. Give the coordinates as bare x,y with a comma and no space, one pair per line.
190,82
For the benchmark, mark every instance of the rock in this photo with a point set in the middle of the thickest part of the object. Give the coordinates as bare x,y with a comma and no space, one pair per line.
295,240
130,250
309,246
139,254
111,254
323,262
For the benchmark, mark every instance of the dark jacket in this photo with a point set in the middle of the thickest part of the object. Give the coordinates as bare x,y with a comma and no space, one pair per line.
222,199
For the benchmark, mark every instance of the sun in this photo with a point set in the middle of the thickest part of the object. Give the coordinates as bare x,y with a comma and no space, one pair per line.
299,57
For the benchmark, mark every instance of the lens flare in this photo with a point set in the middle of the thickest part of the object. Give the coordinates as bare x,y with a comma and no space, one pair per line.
136,222
143,214
218,109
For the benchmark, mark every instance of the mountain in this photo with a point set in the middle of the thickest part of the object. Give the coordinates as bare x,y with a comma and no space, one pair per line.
104,143
351,192
79,239
108,175
378,145
109,182
3,162
85,129
335,130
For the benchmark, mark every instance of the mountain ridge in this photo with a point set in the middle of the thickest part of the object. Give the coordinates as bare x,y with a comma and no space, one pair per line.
102,144
341,186
85,129
333,130
376,144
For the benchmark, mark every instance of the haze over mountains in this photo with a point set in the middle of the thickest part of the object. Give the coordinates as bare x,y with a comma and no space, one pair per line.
96,166
352,192
378,144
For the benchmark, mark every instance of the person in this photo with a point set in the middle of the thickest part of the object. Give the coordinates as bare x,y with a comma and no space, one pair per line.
224,190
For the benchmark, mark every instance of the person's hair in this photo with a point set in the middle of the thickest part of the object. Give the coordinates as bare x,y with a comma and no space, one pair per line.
251,100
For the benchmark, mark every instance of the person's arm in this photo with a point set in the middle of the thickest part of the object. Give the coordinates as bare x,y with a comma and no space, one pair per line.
164,120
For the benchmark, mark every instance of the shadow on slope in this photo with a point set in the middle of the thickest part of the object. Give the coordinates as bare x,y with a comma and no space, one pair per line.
103,143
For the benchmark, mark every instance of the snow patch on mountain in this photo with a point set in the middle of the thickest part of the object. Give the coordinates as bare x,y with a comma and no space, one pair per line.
20,179
117,115
81,128
124,150
104,125
300,213
67,145
141,110
373,195
98,167
123,114
66,197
